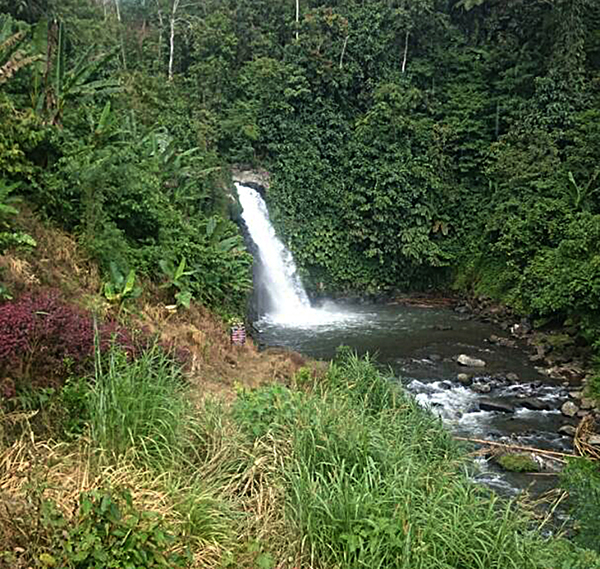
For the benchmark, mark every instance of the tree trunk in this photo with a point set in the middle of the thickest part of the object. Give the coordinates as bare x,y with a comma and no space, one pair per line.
405,51
343,52
161,24
172,38
297,19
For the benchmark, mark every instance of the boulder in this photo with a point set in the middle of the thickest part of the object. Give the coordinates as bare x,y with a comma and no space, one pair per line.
464,378
512,376
569,409
499,406
535,404
468,361
481,387
594,440
568,430
500,341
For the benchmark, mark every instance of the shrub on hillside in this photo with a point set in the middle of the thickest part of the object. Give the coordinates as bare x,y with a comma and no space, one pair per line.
43,338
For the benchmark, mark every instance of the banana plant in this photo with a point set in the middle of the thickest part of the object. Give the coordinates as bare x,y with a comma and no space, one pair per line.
66,83
178,278
215,228
14,53
121,287
580,195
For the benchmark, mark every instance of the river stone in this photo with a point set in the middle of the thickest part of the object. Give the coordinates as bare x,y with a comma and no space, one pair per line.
481,387
569,409
535,404
500,341
468,361
464,378
512,376
587,403
500,406
568,430
594,440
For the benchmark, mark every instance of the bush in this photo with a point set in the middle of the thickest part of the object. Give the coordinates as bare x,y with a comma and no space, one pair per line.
581,478
107,530
43,339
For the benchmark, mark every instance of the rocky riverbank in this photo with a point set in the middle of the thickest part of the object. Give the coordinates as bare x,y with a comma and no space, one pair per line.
557,353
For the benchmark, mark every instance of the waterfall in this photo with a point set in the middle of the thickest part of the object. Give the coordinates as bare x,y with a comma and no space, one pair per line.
288,303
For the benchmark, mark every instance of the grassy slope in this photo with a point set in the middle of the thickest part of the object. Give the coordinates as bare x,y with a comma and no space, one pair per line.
328,469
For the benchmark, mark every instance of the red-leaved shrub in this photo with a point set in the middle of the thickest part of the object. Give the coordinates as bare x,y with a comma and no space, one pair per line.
43,338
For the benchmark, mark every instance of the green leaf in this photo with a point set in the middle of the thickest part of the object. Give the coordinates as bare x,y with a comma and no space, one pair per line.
180,270
129,284
265,561
184,298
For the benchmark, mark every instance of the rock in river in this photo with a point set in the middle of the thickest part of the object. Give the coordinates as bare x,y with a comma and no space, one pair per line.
468,361
464,378
535,404
569,409
568,430
500,406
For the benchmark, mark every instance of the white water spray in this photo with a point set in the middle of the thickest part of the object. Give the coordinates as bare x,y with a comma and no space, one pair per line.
289,302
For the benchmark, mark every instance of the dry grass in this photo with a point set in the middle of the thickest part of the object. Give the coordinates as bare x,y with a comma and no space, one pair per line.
237,488
56,262
216,367
62,472
585,430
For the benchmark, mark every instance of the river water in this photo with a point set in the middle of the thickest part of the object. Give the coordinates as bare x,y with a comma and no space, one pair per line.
419,346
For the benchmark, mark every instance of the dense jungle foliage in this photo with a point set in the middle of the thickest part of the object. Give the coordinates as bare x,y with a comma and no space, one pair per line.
413,143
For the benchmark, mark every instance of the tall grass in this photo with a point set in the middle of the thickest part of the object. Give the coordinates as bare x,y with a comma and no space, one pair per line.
344,472
140,411
138,404
373,481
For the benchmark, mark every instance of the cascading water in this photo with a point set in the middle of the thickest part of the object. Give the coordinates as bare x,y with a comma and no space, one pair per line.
288,301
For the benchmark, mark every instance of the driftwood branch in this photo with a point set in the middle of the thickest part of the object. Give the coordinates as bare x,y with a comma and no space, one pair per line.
551,453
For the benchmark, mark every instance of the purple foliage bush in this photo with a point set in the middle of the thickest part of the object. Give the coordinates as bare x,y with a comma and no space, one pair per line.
43,338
